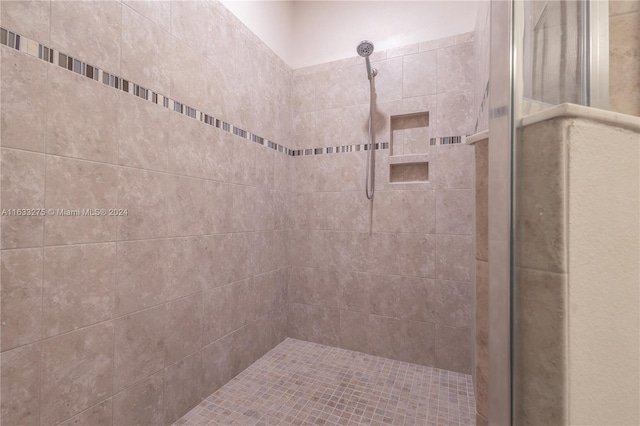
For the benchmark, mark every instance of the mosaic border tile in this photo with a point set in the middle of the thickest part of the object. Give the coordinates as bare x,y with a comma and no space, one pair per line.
68,62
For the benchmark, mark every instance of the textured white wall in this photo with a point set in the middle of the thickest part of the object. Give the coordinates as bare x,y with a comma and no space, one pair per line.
604,275
305,33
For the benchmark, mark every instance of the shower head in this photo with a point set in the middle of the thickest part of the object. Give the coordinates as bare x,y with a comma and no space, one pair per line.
365,48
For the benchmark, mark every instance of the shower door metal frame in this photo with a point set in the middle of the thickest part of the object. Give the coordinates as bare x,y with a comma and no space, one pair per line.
501,128
596,53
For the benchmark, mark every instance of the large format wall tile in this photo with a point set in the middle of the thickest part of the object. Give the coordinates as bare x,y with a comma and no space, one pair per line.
265,161
198,207
22,179
75,127
98,415
418,342
244,163
482,337
222,313
454,303
317,287
355,291
147,67
354,329
201,84
21,297
313,323
540,224
198,150
72,22
30,18
192,23
405,211
140,342
334,96
623,58
482,199
340,210
453,349
455,169
72,185
454,113
542,348
141,279
340,126
182,273
217,364
454,257
182,387
158,12
77,371
404,254
24,80
304,93
454,211
141,404
144,195
78,286
20,385
216,268
388,82
455,68
143,134
420,73
385,336
184,328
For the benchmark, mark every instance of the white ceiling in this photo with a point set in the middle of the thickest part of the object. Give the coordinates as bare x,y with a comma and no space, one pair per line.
308,32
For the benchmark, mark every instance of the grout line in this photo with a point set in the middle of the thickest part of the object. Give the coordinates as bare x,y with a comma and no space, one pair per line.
116,225
147,308
44,227
173,237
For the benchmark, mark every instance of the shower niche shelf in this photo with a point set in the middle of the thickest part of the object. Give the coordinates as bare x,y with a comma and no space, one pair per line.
408,158
409,134
409,168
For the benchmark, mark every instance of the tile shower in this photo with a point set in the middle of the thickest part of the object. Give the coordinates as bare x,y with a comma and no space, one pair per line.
245,219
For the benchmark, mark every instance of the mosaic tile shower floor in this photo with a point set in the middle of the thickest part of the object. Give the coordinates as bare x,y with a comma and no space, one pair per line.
303,383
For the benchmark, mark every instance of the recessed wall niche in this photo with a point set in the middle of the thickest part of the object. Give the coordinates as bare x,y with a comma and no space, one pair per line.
409,172
410,133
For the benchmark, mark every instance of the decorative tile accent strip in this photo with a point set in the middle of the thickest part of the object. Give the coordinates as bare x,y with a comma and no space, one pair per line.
446,140
42,52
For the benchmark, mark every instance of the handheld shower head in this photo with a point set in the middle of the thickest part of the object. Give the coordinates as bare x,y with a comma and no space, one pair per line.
365,49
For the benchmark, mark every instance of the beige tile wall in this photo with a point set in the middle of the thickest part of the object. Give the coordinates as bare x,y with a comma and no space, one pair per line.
135,319
482,280
541,274
624,61
393,277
